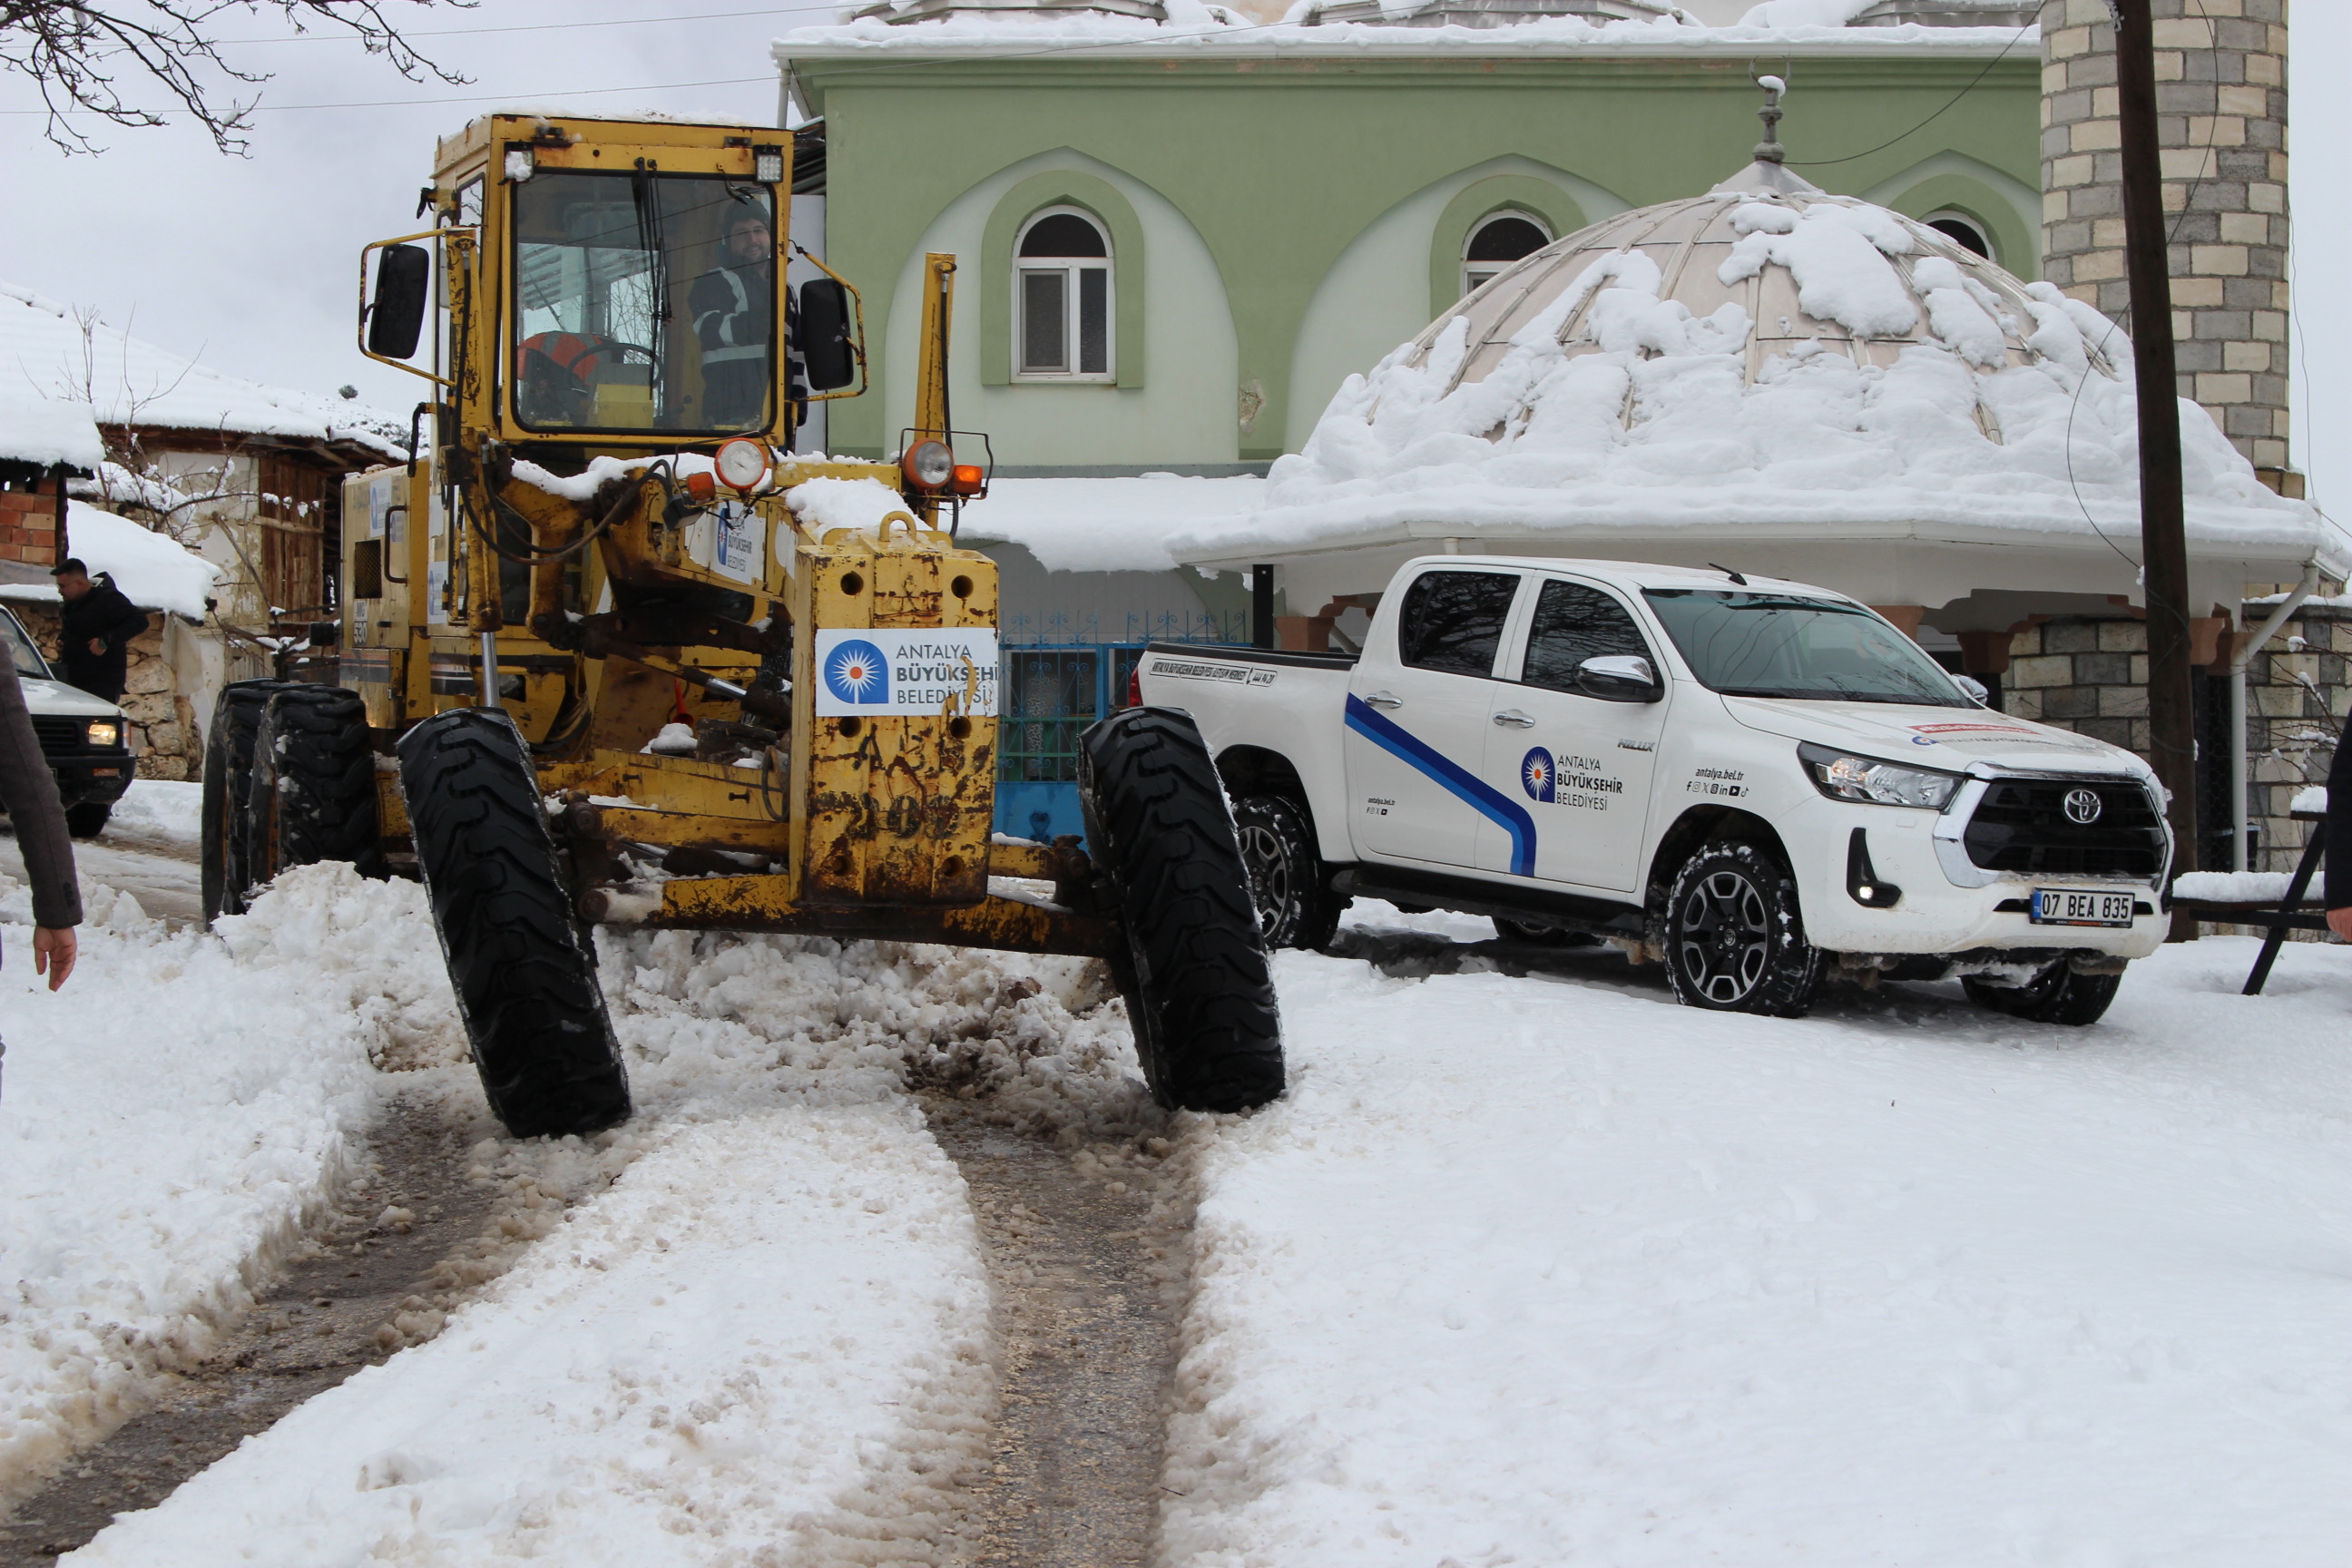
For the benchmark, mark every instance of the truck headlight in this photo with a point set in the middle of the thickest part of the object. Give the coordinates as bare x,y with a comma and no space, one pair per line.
105,734
1843,776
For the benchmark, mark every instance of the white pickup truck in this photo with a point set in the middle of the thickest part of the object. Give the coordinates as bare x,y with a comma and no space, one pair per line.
1752,780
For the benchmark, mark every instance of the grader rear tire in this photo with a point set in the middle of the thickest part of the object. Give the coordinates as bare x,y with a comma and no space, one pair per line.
524,974
1194,969
228,767
311,789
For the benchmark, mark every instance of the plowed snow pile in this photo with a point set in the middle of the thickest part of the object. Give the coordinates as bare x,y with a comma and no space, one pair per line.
1533,1273
770,1328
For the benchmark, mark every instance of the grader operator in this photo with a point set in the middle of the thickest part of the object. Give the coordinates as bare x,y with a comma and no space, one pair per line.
599,661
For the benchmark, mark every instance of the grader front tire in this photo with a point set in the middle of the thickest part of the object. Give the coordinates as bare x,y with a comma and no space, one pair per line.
228,771
524,974
1194,969
311,791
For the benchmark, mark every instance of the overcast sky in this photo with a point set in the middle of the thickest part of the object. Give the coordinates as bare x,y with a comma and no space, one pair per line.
251,263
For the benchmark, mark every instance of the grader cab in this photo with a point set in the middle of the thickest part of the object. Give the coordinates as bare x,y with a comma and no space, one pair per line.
610,654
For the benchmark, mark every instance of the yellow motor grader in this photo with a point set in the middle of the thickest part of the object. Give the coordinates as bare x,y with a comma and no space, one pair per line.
610,654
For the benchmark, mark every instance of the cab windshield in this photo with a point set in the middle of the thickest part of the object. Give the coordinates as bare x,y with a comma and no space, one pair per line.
27,658
1772,645
643,302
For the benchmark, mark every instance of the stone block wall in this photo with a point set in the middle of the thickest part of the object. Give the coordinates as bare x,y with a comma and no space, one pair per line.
2090,676
2221,68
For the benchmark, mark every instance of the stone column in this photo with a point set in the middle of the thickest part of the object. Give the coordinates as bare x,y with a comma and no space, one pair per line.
2220,67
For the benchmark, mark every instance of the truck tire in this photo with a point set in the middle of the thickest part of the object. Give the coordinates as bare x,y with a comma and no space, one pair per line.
1542,936
1734,940
1194,966
524,974
310,787
2056,995
1288,883
87,818
228,766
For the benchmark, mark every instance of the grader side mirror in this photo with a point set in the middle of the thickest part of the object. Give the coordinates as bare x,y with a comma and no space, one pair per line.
826,334
396,318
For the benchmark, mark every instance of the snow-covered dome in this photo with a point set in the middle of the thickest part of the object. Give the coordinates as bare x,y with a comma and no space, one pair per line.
1763,362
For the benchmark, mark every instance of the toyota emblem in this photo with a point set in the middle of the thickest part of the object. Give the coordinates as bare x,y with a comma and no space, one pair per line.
2083,807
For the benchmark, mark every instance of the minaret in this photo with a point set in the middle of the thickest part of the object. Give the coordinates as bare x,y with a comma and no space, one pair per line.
2221,68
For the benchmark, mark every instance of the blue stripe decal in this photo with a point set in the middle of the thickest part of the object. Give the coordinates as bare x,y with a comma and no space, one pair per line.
1488,802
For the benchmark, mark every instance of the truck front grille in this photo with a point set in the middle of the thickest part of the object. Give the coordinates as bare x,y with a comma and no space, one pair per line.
2021,826
66,737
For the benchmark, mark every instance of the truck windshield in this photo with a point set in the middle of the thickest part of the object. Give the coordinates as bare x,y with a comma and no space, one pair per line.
1771,644
28,658
643,302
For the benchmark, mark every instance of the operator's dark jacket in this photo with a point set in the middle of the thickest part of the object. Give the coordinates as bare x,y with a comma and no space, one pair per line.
102,614
2338,894
29,792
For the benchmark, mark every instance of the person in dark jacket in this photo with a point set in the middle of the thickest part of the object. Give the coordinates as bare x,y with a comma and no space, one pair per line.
98,622
29,792
734,316
2337,890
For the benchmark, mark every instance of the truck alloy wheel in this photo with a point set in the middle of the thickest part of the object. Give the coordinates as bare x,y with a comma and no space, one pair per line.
2056,995
1295,906
1733,940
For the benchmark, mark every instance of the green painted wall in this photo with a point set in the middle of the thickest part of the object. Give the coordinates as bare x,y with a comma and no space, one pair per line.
1278,166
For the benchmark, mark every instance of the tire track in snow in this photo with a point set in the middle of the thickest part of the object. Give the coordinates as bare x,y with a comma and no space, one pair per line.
1085,1250
426,1225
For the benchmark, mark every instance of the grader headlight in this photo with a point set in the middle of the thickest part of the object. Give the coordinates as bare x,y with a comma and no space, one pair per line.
927,465
742,465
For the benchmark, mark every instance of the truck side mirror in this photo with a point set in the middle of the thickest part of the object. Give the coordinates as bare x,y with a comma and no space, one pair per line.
1619,677
826,334
1974,690
404,277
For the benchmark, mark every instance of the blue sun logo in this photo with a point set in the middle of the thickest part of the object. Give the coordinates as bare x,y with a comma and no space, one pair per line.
1535,773
856,672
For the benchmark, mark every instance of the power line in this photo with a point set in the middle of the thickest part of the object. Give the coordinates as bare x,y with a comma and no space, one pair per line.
1974,83
473,98
537,27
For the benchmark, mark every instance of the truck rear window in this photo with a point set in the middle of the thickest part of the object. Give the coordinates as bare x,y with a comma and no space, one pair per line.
1773,644
1453,621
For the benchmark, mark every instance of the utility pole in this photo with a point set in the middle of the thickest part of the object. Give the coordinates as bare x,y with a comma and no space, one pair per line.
2164,546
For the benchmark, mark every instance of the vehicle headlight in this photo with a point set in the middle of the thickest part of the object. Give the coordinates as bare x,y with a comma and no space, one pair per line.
105,733
1843,776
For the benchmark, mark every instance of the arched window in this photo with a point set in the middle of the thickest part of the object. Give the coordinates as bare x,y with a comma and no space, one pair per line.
1061,304
1963,231
1496,241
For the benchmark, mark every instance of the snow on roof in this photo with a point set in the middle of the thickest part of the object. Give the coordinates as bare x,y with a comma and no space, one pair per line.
1106,525
1196,28
1764,353
153,571
49,363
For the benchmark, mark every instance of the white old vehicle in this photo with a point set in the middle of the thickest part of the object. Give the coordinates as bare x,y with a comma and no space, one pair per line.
1751,780
86,739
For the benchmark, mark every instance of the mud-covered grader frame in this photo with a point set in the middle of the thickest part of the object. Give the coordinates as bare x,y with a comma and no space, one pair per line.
609,654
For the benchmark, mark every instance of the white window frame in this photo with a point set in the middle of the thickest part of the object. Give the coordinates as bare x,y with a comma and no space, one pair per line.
1474,274
1072,268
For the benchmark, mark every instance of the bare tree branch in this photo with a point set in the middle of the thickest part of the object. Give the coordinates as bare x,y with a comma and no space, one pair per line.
79,52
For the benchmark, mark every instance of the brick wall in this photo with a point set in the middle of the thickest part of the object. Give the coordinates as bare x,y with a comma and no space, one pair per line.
2221,68
28,525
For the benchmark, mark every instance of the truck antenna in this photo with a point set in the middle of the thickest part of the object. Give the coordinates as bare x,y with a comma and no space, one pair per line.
1730,573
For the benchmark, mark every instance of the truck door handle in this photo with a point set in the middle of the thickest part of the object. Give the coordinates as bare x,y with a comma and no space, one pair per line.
1383,699
1512,719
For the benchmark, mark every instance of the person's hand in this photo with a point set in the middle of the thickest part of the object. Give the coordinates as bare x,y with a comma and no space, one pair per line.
2340,923
98,644
54,948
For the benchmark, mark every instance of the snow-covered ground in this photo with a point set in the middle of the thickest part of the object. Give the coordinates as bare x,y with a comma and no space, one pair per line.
1549,1270
1526,1268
